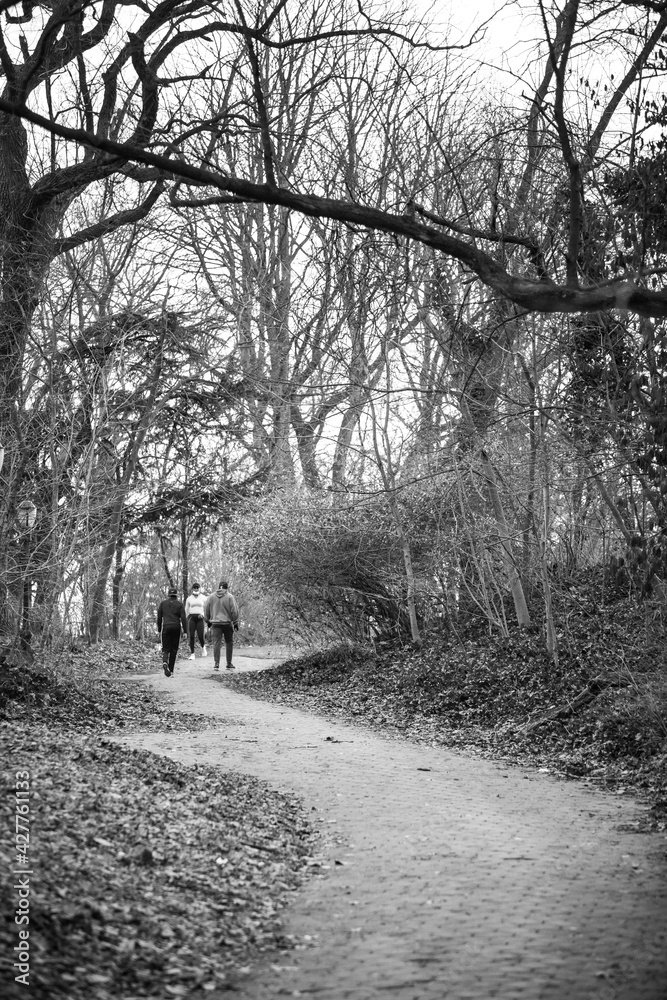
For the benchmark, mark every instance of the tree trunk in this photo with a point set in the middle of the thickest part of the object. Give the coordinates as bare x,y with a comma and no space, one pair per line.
344,439
163,555
410,578
529,519
515,585
278,306
184,556
306,439
388,481
481,379
552,637
115,588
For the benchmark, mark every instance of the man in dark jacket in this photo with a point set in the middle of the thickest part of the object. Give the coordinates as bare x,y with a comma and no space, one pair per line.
221,614
170,621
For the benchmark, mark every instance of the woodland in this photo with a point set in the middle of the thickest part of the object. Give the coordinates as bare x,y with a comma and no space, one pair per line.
362,307
303,294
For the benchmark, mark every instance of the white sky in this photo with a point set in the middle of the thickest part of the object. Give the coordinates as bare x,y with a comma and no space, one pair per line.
511,27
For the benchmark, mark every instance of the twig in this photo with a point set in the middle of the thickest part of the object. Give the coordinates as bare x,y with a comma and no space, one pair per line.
594,687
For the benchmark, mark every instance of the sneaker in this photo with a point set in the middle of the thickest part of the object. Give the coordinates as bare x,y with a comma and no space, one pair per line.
204,653
167,671
230,666
216,666
191,656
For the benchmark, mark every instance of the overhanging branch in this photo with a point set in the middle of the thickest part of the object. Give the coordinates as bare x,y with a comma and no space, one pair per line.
531,294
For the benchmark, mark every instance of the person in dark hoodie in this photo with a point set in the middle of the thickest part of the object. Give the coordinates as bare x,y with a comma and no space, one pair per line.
170,622
221,615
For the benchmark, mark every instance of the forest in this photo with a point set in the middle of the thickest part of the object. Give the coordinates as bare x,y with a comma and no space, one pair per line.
311,296
360,307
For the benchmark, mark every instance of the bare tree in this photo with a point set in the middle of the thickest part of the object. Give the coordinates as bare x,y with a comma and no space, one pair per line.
121,104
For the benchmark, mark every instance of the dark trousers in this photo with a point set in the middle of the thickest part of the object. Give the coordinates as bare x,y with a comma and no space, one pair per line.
171,637
218,633
195,628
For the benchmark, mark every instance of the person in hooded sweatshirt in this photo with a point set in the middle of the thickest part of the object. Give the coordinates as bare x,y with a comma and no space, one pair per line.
194,612
170,622
221,614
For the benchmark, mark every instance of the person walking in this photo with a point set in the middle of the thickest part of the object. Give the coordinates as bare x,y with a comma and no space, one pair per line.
221,614
194,612
170,621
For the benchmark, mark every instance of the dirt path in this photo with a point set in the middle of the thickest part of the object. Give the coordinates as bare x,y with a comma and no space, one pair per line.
446,876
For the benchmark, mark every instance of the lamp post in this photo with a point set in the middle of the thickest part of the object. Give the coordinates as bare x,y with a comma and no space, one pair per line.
26,515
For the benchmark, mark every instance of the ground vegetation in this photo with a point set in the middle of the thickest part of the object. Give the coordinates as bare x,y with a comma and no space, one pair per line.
149,877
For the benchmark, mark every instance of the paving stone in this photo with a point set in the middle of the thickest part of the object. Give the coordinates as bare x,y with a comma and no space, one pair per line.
460,878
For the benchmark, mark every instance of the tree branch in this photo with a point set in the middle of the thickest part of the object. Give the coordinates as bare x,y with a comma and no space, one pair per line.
533,145
110,224
625,84
559,63
492,235
531,294
265,132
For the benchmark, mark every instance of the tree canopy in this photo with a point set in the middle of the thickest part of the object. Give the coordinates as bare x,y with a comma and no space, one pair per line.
159,94
258,244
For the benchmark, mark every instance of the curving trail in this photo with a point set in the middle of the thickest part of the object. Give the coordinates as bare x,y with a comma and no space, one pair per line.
447,876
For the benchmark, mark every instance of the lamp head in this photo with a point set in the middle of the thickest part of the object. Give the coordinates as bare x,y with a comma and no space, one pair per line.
26,514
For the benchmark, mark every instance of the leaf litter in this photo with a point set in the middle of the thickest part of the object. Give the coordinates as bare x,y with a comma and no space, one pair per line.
151,878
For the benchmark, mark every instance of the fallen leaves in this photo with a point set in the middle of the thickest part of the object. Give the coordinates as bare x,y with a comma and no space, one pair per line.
152,878
88,690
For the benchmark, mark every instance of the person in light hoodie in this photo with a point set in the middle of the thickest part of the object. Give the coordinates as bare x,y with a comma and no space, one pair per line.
194,611
221,614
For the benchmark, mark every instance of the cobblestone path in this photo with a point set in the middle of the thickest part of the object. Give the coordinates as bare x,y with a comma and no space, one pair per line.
448,877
